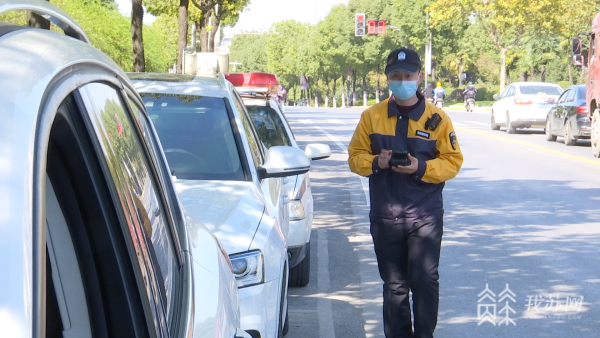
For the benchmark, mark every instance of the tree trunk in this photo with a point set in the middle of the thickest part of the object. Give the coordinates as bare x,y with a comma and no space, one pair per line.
344,103
523,77
36,21
461,70
502,69
334,102
365,98
377,86
137,21
354,87
543,74
532,74
326,92
182,33
204,35
570,71
582,76
213,33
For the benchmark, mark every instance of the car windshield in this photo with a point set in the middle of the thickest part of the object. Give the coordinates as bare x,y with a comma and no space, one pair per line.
196,135
540,90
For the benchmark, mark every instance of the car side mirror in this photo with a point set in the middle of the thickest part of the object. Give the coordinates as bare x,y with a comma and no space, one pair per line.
317,151
284,161
496,97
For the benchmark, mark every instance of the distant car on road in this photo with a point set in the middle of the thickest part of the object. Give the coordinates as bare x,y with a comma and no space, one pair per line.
273,130
93,239
231,183
569,117
524,105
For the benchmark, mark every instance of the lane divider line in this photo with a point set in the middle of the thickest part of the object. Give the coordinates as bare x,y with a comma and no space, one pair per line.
591,161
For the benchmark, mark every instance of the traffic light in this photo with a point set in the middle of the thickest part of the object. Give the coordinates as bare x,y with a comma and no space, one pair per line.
359,24
376,27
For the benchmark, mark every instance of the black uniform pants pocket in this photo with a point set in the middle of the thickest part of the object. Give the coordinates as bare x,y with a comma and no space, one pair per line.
408,258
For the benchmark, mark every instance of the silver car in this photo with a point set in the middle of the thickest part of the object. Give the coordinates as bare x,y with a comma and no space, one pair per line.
93,241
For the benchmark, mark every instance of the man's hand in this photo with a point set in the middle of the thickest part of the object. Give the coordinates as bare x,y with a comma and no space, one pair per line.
405,169
383,161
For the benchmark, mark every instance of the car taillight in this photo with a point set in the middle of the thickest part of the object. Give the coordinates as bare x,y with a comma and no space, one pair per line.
582,109
519,102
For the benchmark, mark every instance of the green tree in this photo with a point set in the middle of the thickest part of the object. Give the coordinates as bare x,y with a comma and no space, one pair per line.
250,50
508,23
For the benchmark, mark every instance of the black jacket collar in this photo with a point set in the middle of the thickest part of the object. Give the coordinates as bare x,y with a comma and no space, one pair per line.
415,114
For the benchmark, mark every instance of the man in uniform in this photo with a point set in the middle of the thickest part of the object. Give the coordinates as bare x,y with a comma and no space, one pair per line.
406,200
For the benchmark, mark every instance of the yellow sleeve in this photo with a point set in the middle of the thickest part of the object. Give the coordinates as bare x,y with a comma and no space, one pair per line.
449,157
360,157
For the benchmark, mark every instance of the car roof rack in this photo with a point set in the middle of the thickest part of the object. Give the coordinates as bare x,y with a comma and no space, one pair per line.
47,11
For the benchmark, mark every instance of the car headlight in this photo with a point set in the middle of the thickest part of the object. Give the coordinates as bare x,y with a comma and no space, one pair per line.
248,268
296,210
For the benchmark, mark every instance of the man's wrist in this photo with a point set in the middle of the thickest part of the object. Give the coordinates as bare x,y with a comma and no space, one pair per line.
375,166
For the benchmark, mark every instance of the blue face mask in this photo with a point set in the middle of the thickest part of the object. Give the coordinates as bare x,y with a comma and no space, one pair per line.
403,89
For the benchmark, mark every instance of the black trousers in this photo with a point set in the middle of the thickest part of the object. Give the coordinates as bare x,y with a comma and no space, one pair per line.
408,256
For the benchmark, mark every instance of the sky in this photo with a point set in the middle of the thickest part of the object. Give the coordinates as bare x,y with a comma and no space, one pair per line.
261,14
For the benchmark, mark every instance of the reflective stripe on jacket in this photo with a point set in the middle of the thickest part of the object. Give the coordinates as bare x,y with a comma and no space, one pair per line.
404,197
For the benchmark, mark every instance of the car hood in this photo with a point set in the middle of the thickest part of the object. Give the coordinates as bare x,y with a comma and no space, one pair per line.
231,210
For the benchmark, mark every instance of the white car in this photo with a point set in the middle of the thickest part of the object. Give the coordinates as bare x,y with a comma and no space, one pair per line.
273,130
524,105
93,239
226,179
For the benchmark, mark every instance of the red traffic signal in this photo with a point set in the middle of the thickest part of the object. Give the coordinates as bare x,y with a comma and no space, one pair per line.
359,24
376,27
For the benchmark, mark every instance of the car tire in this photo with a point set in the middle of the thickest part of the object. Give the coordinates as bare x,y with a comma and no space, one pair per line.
286,324
493,123
300,274
595,133
509,127
549,136
569,139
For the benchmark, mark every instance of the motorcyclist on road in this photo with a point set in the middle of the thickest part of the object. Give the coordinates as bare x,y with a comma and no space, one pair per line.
439,92
428,92
470,92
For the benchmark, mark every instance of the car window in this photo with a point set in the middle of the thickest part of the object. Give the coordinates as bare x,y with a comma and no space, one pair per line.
505,93
593,43
196,135
540,90
269,126
255,145
138,194
581,93
570,96
563,97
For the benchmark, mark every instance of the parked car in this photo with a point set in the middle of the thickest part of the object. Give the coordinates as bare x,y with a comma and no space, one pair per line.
273,130
569,117
524,105
227,179
93,240
589,58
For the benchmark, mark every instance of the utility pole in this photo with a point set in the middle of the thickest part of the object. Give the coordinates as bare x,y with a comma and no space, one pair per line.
428,51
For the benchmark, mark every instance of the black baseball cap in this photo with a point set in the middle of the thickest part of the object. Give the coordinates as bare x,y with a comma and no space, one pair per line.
404,59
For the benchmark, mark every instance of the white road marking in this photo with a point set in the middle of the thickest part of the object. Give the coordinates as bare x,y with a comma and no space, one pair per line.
307,121
363,180
458,124
479,123
356,121
334,121
325,313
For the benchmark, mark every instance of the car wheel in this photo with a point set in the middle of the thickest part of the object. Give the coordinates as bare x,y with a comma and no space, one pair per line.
300,274
493,124
595,131
569,139
549,136
509,127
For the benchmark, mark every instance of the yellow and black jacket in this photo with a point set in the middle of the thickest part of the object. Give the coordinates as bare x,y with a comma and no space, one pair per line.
403,197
